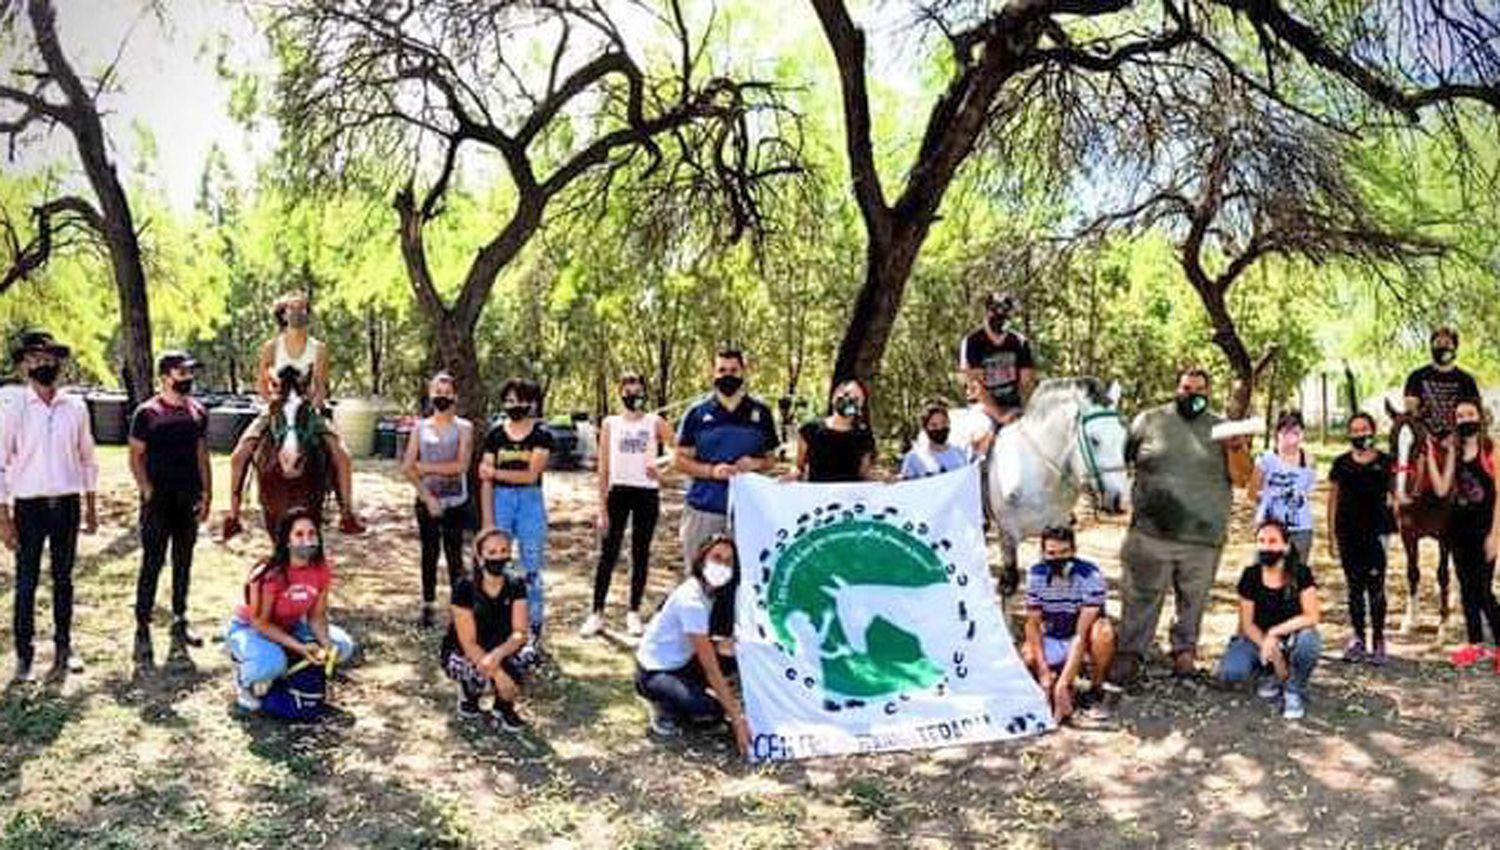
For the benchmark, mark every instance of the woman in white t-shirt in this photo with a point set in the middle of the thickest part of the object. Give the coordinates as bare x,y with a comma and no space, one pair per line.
629,492
678,669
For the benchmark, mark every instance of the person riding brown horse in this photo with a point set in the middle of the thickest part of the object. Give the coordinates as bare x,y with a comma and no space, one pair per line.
1420,512
292,465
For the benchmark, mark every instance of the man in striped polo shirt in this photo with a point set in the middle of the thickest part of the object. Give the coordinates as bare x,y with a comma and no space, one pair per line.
1066,625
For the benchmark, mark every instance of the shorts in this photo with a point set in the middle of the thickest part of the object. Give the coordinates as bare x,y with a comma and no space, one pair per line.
1055,650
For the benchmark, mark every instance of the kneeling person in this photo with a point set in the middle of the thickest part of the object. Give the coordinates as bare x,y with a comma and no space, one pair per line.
1279,613
1066,625
488,631
678,667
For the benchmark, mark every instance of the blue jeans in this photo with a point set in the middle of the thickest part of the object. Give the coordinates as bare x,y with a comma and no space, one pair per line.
1241,660
679,694
260,659
521,512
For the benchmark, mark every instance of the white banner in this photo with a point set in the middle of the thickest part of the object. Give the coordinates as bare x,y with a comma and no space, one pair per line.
867,620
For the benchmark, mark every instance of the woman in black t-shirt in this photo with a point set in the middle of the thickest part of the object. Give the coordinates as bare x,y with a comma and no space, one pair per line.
1359,517
1279,614
840,446
1473,535
484,648
515,453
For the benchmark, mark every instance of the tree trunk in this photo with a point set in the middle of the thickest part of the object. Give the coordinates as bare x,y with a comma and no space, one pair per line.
372,331
458,356
118,225
888,264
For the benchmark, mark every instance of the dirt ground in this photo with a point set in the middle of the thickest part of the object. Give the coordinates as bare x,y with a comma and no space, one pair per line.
1404,756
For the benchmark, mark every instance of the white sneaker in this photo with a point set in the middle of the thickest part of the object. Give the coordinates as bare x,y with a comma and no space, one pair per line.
1269,688
633,625
592,626
1293,707
245,698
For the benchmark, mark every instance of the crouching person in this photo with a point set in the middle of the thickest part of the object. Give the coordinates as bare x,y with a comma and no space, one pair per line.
679,666
1066,626
285,613
484,650
1278,639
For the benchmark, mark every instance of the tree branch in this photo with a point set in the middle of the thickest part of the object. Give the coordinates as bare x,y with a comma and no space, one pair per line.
848,44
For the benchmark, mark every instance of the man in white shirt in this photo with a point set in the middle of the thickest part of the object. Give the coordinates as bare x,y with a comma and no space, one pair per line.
48,475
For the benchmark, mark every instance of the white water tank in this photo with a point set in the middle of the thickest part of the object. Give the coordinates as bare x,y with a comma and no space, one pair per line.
354,419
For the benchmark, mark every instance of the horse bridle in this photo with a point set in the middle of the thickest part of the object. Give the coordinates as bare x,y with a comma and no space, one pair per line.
1081,422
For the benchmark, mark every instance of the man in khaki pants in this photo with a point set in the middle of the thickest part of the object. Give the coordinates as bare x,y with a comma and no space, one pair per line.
1182,496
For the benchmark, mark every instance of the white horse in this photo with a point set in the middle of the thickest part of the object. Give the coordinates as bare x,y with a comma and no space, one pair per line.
1070,439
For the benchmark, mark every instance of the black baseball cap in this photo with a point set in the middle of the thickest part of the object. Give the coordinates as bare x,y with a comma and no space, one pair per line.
174,359
37,340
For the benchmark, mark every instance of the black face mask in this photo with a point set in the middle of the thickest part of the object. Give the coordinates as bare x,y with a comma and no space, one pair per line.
1269,557
496,566
996,320
634,401
1362,443
45,375
517,411
1467,429
442,403
1191,405
1442,355
183,387
846,406
937,436
728,385
1057,565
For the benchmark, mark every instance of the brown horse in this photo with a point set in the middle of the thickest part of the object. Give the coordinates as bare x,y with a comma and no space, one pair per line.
290,462
1420,513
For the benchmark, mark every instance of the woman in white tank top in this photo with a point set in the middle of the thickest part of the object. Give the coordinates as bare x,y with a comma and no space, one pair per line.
629,485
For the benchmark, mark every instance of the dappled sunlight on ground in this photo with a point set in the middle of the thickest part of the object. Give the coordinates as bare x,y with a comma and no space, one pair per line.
159,757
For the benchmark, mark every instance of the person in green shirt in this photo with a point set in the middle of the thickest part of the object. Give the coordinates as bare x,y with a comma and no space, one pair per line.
1181,497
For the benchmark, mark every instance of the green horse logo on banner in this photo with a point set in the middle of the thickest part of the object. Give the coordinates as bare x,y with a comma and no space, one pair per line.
865,607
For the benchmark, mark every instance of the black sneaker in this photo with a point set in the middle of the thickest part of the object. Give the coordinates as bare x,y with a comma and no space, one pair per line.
468,706
144,652
426,620
505,717
181,633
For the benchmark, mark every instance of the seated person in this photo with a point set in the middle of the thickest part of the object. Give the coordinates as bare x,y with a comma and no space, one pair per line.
487,631
285,611
1066,625
310,371
1279,612
935,454
679,671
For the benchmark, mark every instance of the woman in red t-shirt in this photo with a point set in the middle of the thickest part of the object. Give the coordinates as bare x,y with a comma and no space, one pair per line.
285,612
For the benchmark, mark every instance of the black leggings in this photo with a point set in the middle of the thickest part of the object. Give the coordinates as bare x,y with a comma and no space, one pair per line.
1363,558
641,506
445,531
1476,577
171,517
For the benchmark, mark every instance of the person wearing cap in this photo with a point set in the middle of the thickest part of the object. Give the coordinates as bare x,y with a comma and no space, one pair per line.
169,459
48,476
1000,358
310,362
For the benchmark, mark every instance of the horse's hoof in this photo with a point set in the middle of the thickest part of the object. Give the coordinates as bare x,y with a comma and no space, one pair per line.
1442,633
351,525
232,527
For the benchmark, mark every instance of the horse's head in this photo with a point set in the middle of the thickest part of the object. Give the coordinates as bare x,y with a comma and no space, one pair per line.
1408,440
1098,459
291,455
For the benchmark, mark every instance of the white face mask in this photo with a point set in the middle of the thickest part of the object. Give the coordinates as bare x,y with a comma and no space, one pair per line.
717,574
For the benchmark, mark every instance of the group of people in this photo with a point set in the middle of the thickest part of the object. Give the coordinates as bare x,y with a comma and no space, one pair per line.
1182,493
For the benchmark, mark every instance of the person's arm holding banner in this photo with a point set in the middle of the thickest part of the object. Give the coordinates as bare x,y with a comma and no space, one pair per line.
734,712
